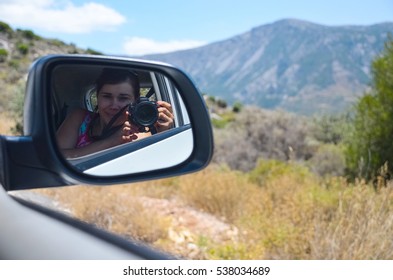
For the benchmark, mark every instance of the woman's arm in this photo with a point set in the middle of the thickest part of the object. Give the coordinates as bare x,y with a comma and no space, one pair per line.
68,133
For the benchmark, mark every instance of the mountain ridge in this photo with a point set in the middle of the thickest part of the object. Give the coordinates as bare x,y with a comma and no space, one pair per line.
289,64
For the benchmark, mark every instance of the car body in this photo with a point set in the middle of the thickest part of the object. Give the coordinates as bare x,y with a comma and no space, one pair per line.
56,84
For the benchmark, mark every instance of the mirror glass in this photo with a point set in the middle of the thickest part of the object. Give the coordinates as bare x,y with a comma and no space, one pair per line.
114,120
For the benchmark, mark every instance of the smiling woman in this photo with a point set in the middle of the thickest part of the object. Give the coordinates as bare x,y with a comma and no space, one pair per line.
84,132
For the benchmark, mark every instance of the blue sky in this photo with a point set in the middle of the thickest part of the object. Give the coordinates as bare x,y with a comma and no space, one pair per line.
127,27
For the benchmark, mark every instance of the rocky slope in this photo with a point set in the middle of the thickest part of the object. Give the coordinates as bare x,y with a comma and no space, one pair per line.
18,49
291,64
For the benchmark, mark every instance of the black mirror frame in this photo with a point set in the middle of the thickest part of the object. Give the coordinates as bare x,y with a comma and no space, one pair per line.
34,161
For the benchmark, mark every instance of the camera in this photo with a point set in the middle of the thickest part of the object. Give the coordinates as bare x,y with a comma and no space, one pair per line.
143,113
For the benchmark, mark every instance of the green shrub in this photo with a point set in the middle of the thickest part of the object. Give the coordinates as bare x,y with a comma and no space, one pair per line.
5,28
57,43
3,55
223,120
221,103
268,170
28,34
91,51
14,63
237,107
331,128
22,48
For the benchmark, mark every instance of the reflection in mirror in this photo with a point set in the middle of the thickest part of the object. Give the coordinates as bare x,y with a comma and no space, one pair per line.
114,121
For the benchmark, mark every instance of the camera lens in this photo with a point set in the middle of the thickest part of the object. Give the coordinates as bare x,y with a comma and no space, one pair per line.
146,114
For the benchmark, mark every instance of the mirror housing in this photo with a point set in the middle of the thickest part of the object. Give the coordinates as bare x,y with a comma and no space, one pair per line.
35,161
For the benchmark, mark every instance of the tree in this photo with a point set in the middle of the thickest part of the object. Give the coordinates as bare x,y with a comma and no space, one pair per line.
330,129
371,143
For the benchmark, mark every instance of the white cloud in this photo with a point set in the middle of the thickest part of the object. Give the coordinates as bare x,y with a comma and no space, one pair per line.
141,46
60,16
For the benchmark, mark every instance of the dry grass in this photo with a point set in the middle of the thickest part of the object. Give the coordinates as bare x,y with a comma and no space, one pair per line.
361,226
291,215
6,124
218,191
116,209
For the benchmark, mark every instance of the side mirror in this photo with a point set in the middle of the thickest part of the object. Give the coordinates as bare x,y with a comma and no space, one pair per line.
59,85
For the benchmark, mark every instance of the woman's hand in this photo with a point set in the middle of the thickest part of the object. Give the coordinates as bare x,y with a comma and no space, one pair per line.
130,132
165,116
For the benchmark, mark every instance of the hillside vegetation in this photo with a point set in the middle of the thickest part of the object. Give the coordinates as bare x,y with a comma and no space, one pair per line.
18,49
281,186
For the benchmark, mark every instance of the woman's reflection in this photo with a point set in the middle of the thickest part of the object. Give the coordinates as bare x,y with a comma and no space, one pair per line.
84,132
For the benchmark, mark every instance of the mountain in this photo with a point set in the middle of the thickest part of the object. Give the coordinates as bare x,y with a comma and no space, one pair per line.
291,64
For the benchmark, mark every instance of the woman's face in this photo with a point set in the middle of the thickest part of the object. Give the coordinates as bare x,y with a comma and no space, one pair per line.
112,98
